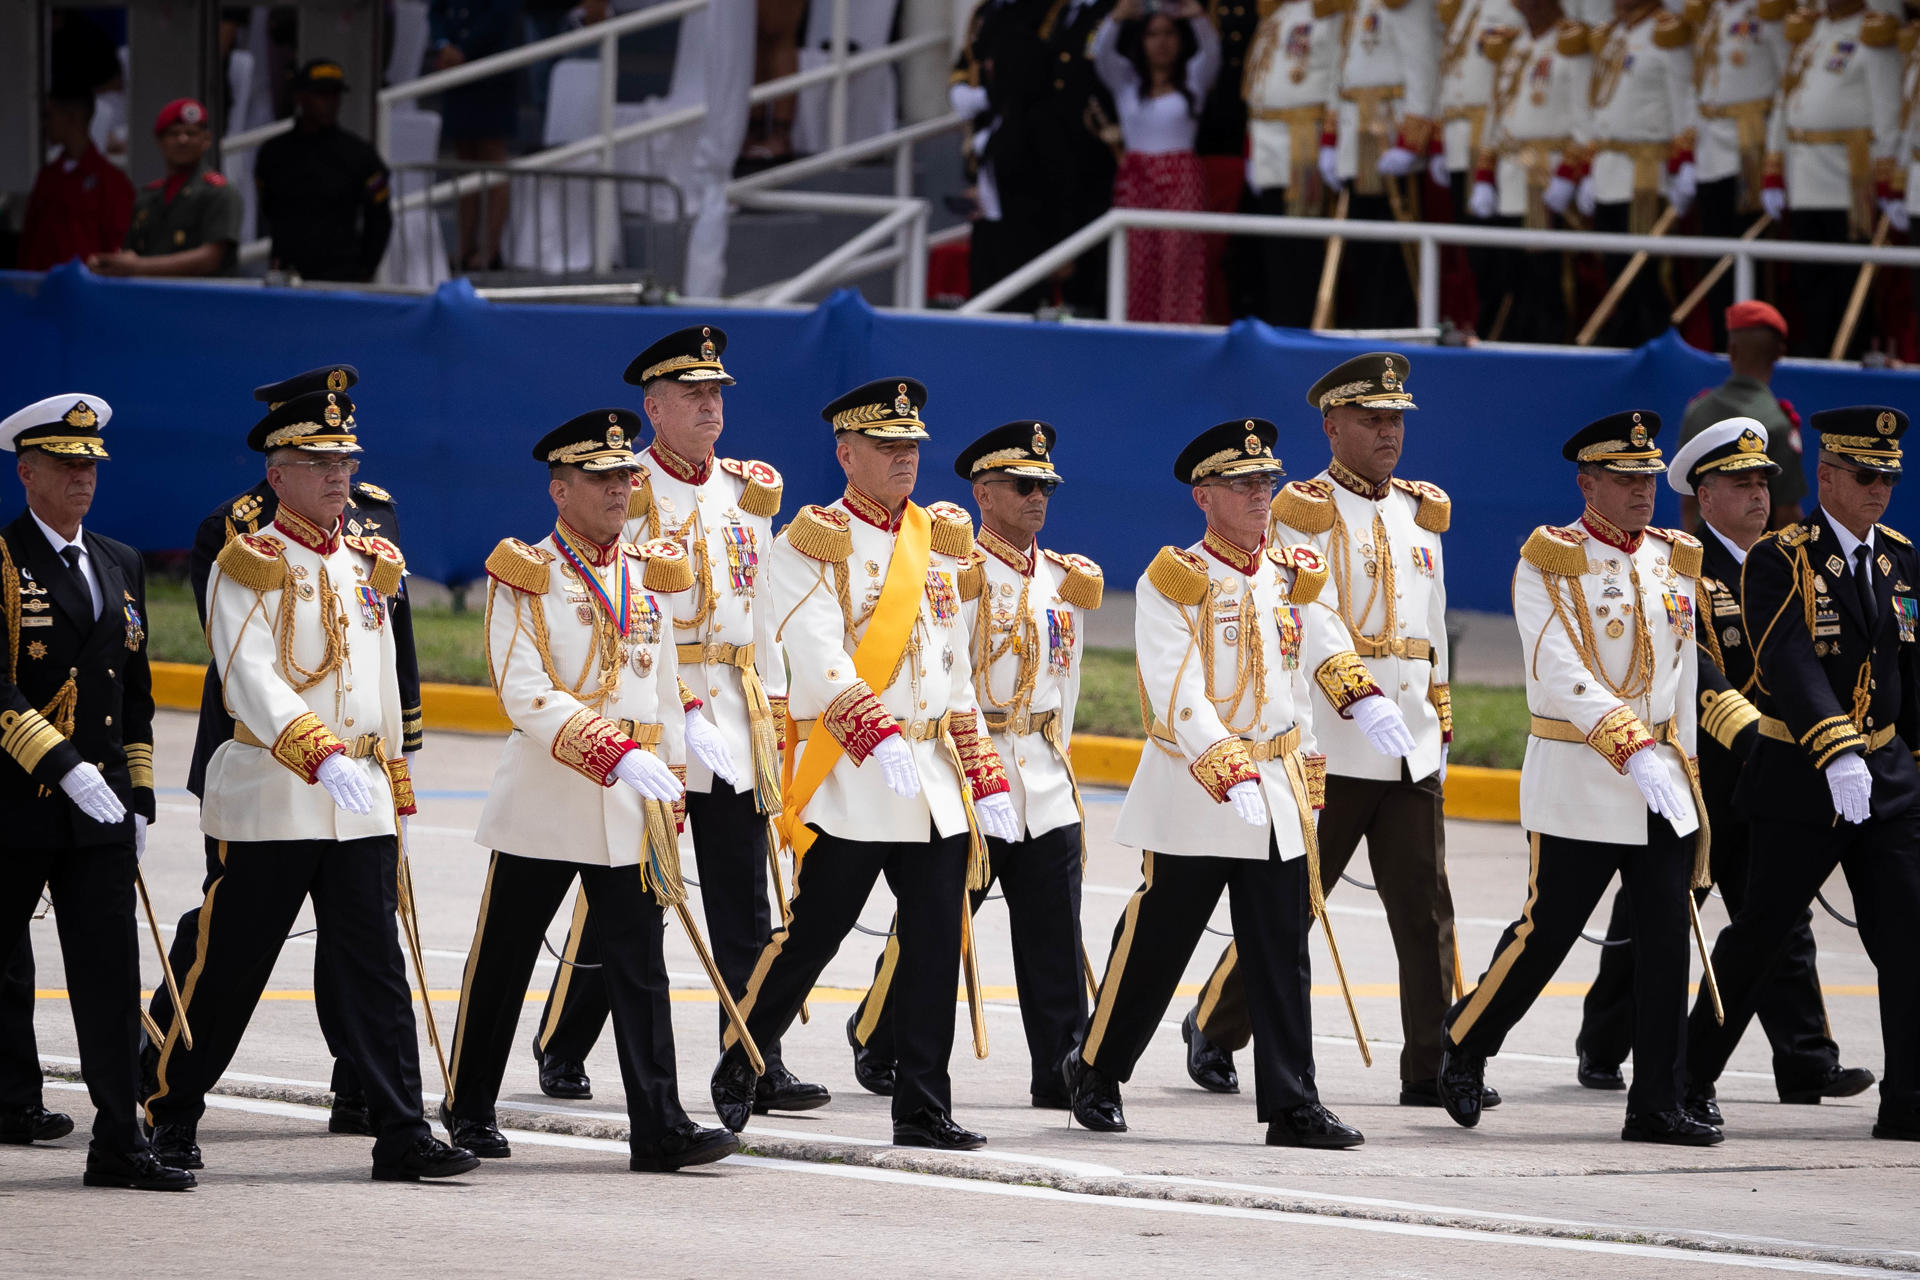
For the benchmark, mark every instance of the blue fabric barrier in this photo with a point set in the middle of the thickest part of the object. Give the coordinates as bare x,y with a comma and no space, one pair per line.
454,391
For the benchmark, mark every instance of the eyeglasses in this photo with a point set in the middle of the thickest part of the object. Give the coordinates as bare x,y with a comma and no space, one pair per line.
330,467
1247,486
1025,485
1867,479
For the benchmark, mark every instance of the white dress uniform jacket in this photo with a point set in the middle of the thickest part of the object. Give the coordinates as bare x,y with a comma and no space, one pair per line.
1466,72
1644,106
1542,97
1739,57
1287,84
1838,114
1388,77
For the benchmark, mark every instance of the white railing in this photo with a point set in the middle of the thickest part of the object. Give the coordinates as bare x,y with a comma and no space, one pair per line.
1113,225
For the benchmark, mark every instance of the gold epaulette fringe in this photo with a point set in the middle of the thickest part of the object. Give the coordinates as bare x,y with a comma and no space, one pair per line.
389,566
1879,30
1551,549
1671,31
640,497
520,566
1800,24
973,578
1179,575
668,567
1575,41
952,530
820,533
1435,512
764,486
1085,585
254,562
1687,554
1309,571
1305,505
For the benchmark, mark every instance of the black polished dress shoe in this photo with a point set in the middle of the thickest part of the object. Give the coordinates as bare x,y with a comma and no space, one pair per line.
349,1114
174,1146
1093,1096
1592,1076
781,1090
931,1127
1426,1093
733,1088
1312,1125
134,1171
21,1125
562,1077
482,1137
1673,1128
872,1072
1699,1104
681,1147
1461,1085
1208,1065
426,1158
1837,1082
1902,1128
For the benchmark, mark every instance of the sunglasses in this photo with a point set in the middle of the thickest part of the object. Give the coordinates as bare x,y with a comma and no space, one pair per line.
1867,479
1026,485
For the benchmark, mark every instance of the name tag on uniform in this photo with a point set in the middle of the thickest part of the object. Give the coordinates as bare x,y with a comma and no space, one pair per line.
373,610
1286,618
1423,561
1059,641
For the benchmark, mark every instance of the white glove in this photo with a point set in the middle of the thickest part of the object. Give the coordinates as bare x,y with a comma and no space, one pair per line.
1774,201
1852,786
1584,197
1645,770
996,817
1896,211
1247,801
1484,201
1559,193
1446,749
896,763
91,794
648,774
1395,161
139,837
345,783
1385,727
1438,171
705,744
1330,166
1681,188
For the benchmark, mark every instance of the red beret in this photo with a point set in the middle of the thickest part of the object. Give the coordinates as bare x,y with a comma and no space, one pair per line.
1754,314
179,111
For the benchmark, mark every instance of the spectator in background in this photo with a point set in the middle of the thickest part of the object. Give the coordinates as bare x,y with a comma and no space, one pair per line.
776,54
1756,339
478,118
1159,66
323,191
187,223
81,203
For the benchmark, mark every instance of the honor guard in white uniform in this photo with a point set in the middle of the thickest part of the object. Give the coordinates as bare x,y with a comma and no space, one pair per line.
308,799
1472,29
1609,784
1230,637
1025,610
1386,756
1288,83
887,770
720,512
581,652
1831,143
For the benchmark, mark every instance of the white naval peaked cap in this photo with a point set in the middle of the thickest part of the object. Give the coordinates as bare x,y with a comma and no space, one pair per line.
67,425
1731,444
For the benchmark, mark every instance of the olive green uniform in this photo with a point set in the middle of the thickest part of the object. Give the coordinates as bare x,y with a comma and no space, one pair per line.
205,210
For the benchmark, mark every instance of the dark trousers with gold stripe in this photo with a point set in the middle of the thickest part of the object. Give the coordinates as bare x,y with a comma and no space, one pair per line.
929,881
1565,882
516,907
92,891
223,968
1407,848
1040,878
730,848
19,1051
1156,936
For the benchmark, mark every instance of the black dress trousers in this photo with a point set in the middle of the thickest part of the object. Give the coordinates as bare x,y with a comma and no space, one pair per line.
19,1051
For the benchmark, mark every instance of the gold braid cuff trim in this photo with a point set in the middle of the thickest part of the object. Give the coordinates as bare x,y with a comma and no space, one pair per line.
1310,570
973,578
1551,549
254,562
520,566
778,701
764,487
400,778
668,568
1440,694
305,744
820,533
1223,766
1304,505
1315,768
1085,584
1435,512
1618,735
858,722
978,758
1687,555
591,746
1724,716
952,530
1179,575
1345,680
1830,738
140,765
389,566
412,729
27,737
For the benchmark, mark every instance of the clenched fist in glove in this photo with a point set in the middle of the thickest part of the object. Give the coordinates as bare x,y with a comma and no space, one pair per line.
1247,801
91,794
1851,785
895,759
649,775
705,744
1385,727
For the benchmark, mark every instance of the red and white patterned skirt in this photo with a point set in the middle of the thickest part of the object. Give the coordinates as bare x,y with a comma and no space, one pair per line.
1166,270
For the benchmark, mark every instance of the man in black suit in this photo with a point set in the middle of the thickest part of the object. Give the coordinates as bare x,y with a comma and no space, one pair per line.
76,726
1832,778
1727,466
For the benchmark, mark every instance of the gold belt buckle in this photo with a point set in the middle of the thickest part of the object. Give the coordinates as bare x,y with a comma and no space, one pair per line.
917,731
1020,724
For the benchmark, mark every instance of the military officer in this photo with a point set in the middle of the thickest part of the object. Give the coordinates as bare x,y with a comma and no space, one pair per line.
307,799
1605,609
1386,757
1230,633
24,1117
1728,467
1832,777
76,728
720,510
1025,610
896,776
1470,31
1288,82
187,223
581,649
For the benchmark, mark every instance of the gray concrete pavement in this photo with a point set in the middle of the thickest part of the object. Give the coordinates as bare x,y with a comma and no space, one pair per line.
1192,1182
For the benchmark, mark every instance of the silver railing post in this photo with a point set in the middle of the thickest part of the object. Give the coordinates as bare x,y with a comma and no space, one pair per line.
902,189
837,96
1742,277
606,194
1429,303
1117,274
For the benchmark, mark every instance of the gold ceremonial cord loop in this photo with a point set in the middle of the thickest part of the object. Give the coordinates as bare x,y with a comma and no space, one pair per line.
1579,628
333,626
1250,665
1316,896
1339,549
1022,640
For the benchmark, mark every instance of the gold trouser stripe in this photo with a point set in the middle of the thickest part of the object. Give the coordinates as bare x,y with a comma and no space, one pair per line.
466,976
557,1001
1117,966
1567,731
1778,731
1217,982
876,998
200,943
768,954
1503,963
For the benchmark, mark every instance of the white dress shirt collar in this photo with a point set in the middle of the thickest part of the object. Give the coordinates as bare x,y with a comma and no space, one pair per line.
1739,555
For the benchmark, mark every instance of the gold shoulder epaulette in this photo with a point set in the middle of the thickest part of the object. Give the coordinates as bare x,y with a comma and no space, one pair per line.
1895,534
1435,512
1309,571
1800,25
1695,12
1879,30
1575,40
821,533
1495,42
1671,31
1084,585
1327,8
254,562
520,566
1686,554
1552,549
389,566
367,489
1179,575
1304,505
1772,10
668,568
973,576
1446,11
762,496
1791,536
952,530
640,499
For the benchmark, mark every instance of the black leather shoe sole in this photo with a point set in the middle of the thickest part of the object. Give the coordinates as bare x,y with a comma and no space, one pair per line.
566,1092
171,1180
1281,1137
716,1148
1845,1084
808,1097
467,1162
914,1136
51,1127
1706,1137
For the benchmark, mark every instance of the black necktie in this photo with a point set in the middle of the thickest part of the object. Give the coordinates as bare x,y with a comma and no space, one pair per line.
71,554
1863,585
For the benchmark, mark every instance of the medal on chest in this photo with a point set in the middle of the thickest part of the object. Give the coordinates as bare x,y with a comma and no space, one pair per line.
1059,641
941,597
1286,617
743,557
644,635
1423,561
137,627
1906,613
373,609
1679,614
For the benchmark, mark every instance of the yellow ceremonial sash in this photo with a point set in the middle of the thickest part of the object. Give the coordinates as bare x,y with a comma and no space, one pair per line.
874,661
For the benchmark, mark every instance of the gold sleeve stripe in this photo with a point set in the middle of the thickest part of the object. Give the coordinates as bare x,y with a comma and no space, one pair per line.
27,737
140,764
1441,696
1723,716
